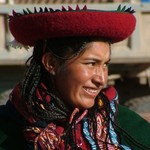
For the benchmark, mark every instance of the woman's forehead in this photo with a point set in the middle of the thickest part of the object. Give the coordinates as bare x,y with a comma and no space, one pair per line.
95,50
97,47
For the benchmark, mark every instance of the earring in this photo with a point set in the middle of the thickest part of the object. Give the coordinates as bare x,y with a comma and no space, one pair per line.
52,72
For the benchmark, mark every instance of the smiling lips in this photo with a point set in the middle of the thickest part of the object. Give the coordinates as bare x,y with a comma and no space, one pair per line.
91,91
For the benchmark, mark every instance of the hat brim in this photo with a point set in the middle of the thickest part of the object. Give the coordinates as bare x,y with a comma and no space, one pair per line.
111,25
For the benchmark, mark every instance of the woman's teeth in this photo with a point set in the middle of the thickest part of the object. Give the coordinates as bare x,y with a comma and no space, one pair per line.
89,90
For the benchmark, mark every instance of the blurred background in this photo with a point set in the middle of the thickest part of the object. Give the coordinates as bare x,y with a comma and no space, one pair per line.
130,67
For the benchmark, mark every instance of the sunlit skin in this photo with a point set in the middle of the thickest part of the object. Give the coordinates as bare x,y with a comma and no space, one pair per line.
80,80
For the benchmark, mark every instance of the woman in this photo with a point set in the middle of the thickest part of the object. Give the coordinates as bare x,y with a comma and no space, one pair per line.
63,101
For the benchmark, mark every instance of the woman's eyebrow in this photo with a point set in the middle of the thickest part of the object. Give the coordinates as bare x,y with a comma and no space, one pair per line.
93,59
97,59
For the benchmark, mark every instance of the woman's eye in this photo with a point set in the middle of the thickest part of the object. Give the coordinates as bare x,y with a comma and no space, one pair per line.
106,64
91,63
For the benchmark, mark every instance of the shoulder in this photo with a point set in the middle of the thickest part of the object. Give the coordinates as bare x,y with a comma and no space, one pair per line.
131,124
134,125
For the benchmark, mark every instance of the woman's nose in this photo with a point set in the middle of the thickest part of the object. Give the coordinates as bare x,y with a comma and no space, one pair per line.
99,77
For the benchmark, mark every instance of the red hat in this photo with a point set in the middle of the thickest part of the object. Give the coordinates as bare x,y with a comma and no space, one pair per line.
29,27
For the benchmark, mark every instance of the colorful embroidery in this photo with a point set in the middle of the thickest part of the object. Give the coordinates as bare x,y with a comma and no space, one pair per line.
112,132
87,135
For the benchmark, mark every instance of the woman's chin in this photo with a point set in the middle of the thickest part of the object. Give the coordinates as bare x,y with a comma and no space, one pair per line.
86,106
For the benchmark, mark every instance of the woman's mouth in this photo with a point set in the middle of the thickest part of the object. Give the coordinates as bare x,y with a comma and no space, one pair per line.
91,91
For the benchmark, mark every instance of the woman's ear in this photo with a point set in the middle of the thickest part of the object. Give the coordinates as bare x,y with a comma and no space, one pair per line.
49,63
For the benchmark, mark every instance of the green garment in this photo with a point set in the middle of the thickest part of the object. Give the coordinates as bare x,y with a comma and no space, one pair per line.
133,124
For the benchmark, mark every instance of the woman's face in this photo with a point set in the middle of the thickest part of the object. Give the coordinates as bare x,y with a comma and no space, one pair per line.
80,80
